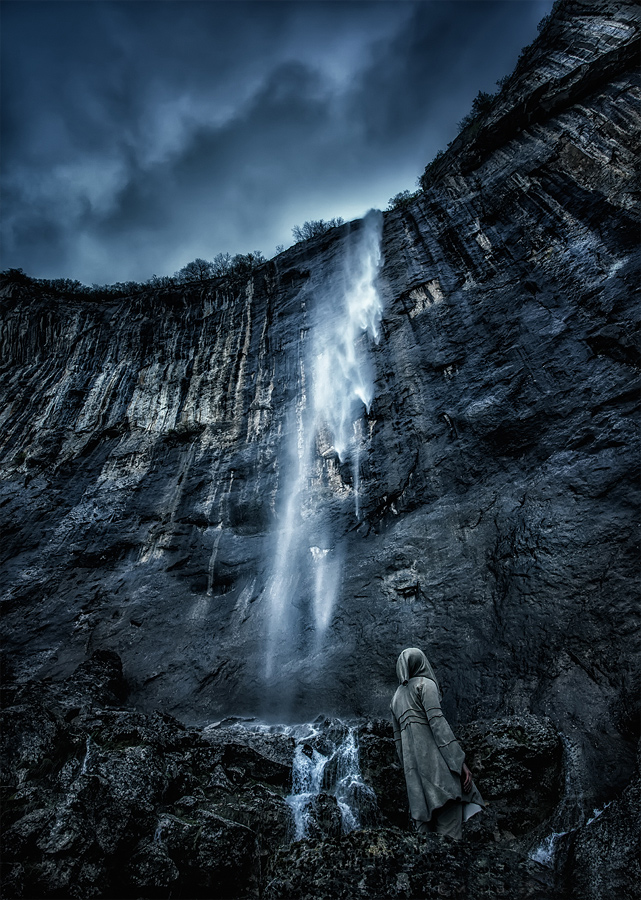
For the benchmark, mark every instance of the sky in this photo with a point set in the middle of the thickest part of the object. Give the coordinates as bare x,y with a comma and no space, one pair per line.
137,135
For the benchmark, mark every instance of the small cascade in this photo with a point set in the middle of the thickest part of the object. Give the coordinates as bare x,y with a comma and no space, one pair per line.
87,757
327,762
548,850
307,779
570,813
597,812
350,791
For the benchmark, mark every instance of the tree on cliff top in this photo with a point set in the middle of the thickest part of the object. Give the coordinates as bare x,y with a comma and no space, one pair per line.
314,228
197,270
223,264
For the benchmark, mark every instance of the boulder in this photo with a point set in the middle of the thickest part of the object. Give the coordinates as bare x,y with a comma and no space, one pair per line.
517,763
103,801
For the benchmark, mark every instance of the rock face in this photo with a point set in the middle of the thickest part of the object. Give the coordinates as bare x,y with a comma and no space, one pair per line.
605,854
147,459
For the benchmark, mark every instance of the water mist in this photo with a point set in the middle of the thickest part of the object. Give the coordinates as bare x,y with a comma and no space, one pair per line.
325,431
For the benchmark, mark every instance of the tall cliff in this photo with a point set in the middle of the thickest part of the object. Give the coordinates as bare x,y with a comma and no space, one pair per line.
149,453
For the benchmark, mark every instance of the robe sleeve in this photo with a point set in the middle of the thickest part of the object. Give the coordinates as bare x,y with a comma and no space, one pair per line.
398,743
445,741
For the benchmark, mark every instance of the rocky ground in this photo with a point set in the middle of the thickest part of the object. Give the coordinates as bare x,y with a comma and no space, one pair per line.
102,801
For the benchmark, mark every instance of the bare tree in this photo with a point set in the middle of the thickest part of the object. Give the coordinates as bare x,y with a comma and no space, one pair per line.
244,263
222,264
197,270
314,228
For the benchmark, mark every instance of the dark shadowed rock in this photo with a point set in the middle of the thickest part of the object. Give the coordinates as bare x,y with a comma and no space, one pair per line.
517,762
604,858
151,872
104,801
98,680
386,862
382,772
214,857
265,756
260,809
323,817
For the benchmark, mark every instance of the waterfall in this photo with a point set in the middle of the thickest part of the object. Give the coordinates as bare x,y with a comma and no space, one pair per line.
324,431
342,380
328,795
328,763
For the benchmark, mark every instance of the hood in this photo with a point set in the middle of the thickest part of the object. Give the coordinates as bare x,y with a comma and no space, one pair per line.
413,663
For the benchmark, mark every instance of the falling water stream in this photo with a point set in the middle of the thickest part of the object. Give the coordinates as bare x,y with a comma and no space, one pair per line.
325,429
569,814
326,768
332,768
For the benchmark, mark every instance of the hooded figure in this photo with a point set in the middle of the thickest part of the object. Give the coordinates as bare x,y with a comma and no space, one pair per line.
440,789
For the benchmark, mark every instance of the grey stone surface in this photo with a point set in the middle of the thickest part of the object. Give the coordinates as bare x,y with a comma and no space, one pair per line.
100,800
519,762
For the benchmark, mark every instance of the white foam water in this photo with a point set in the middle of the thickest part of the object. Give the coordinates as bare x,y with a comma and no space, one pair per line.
335,771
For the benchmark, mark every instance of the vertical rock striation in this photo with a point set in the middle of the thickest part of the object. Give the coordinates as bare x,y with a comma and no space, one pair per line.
144,443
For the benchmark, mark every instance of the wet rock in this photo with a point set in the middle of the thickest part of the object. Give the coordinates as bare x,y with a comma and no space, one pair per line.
386,862
112,802
215,857
323,817
260,809
151,872
381,771
517,763
330,733
265,756
33,737
98,681
604,855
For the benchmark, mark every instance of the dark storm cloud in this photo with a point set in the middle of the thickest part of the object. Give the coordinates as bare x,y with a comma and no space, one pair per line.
138,135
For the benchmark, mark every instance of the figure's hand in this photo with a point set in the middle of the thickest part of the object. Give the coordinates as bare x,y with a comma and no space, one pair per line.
466,779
